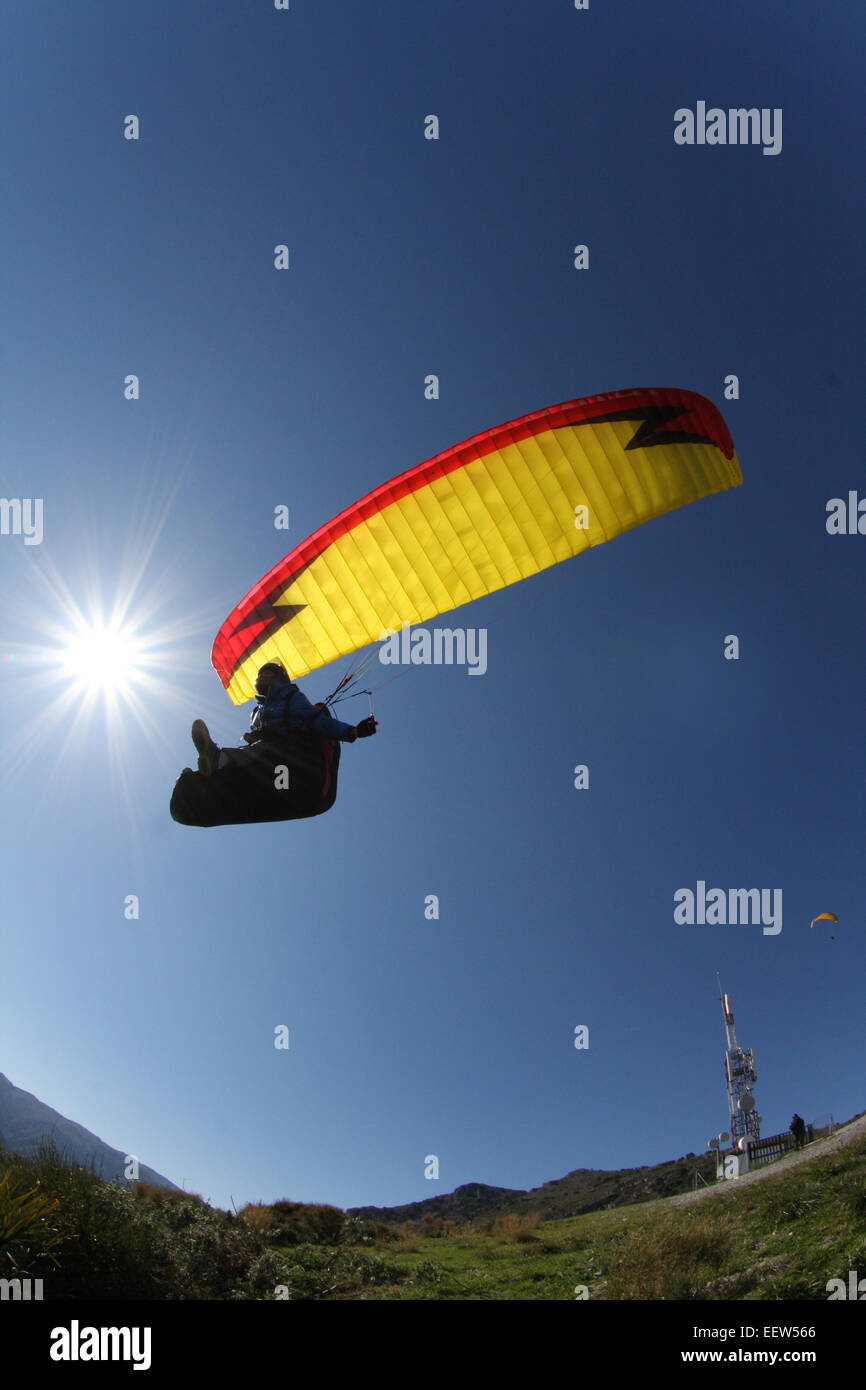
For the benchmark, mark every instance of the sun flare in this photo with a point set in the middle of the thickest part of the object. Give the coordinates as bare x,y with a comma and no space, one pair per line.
103,658
103,664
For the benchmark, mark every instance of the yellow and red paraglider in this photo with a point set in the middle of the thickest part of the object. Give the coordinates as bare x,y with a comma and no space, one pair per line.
499,507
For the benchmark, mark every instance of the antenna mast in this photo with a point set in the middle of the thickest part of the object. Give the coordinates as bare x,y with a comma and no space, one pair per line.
740,1075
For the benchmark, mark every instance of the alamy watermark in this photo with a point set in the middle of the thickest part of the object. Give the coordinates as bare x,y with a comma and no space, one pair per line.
855,1291
77,1343
736,126
20,1290
444,646
711,907
22,516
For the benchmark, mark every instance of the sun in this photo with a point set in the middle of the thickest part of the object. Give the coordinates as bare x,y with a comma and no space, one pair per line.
119,668
103,657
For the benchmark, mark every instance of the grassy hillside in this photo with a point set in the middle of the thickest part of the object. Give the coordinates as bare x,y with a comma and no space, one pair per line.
781,1238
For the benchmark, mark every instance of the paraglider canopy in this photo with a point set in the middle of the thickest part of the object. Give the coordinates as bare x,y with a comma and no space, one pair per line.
493,510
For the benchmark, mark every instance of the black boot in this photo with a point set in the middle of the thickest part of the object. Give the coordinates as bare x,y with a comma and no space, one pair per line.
208,753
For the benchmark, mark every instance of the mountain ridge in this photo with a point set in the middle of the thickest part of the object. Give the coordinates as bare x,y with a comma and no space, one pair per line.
26,1123
581,1190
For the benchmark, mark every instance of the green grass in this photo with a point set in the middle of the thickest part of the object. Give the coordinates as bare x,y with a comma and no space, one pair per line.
781,1238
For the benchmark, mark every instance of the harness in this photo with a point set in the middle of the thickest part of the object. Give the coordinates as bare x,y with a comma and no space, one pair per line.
313,753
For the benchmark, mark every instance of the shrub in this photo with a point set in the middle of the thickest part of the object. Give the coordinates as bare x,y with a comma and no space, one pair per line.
257,1216
305,1223
512,1226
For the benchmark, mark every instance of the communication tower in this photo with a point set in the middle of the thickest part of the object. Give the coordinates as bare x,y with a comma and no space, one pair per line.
740,1076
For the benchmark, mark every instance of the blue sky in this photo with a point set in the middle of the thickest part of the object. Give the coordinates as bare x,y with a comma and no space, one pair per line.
411,1037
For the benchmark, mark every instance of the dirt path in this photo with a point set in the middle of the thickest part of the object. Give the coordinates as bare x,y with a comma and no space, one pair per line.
855,1130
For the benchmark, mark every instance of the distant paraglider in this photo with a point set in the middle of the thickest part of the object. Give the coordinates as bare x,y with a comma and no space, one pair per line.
825,917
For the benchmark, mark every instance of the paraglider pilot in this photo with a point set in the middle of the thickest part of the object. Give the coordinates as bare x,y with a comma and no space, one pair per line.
288,770
280,706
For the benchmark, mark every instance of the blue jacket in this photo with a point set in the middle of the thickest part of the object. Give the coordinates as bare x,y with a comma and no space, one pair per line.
287,707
